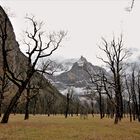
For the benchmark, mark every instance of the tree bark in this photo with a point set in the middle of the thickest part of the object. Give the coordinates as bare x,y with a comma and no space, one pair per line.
12,104
100,105
67,106
27,109
0,107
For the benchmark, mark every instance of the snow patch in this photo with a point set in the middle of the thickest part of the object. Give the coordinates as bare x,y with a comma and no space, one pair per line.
76,90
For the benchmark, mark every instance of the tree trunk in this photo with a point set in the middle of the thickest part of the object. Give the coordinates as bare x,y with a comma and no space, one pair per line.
139,94
121,105
134,112
67,106
117,109
12,104
100,105
139,106
15,108
92,109
48,110
116,115
48,114
77,110
2,94
130,112
34,107
27,109
135,106
0,107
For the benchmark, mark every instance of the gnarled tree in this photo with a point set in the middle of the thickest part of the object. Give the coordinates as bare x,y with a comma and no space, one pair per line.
37,49
115,55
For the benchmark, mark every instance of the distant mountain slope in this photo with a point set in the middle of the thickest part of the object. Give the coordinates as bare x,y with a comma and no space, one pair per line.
76,77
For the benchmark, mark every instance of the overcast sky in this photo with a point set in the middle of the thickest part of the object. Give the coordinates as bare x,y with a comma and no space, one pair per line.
85,20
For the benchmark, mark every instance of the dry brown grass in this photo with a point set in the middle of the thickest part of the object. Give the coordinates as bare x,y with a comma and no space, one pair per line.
58,128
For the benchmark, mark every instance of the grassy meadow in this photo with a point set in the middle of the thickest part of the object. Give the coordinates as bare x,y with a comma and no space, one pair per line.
41,127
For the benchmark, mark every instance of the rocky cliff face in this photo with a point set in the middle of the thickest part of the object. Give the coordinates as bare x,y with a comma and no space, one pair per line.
16,59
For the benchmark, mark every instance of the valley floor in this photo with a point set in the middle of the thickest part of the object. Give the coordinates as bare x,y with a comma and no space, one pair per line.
41,127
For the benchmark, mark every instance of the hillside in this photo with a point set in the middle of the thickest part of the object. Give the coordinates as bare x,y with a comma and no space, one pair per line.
18,63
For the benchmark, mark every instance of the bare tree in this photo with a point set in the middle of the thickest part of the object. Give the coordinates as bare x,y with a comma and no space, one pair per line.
138,87
77,104
116,54
96,79
134,94
84,108
68,99
36,48
50,101
128,89
32,90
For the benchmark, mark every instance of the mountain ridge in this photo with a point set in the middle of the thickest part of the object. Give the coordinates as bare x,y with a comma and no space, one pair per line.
76,77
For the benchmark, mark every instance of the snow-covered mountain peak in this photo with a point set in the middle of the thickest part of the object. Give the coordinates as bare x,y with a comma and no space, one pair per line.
72,73
81,61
